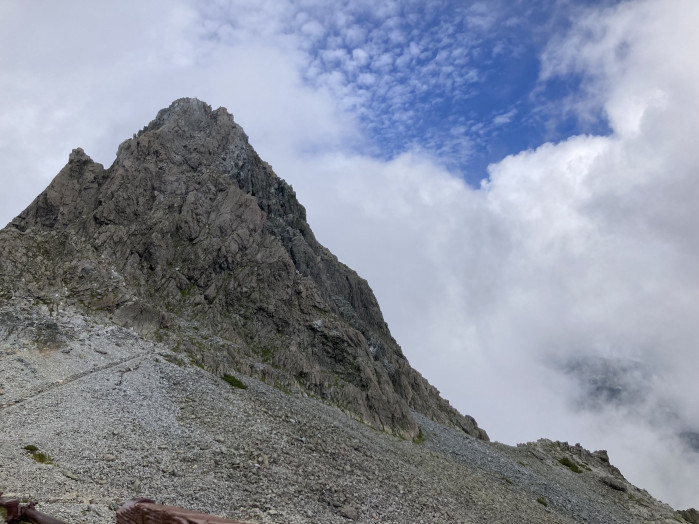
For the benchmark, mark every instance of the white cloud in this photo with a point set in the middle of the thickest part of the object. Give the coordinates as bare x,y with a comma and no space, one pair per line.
585,248
313,28
360,56
90,81
504,118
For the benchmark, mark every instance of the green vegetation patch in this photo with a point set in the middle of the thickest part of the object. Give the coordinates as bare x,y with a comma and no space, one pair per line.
542,501
570,464
282,387
40,457
420,439
174,360
184,293
234,382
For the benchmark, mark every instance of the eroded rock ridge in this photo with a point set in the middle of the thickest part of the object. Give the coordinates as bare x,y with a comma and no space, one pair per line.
189,237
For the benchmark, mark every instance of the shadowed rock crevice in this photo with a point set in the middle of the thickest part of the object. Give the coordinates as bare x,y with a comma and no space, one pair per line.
189,236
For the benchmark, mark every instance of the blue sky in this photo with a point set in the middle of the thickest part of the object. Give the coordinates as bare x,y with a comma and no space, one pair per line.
458,80
580,245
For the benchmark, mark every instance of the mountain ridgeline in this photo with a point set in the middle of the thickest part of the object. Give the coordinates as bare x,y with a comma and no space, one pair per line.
189,237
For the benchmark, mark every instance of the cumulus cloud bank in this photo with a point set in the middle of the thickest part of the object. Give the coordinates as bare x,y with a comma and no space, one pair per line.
559,299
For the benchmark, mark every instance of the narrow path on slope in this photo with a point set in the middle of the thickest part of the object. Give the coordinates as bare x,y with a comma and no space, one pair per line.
69,380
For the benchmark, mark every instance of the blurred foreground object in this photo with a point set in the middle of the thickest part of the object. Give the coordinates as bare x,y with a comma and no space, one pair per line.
135,511
145,511
17,513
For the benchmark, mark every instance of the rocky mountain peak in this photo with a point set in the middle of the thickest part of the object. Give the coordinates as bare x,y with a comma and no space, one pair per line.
189,112
132,298
78,156
190,237
192,130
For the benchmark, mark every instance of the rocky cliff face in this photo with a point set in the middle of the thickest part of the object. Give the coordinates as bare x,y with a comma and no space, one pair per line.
190,238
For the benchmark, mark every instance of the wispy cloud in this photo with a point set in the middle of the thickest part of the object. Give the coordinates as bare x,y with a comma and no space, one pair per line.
404,69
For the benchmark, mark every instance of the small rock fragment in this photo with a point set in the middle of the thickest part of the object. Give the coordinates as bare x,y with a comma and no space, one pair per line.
602,455
614,483
70,474
349,512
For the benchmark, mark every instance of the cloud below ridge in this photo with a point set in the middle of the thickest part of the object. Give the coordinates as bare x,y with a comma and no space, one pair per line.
583,249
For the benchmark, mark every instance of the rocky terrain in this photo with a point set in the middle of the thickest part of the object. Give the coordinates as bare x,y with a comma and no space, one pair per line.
170,328
189,236
108,415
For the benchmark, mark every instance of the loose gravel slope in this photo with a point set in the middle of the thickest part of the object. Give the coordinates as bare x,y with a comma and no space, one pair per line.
119,417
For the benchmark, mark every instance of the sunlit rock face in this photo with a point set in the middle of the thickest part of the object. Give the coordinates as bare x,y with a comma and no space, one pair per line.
190,237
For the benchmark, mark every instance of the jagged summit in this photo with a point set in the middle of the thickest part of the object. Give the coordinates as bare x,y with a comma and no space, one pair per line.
191,238
191,113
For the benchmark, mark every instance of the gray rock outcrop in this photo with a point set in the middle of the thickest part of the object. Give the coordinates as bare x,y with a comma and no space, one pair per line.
190,238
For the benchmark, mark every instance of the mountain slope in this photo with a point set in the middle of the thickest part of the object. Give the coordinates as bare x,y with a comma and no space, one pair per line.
135,299
119,417
190,237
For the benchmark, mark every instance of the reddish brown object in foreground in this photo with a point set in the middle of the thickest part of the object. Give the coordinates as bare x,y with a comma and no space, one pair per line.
19,513
144,511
